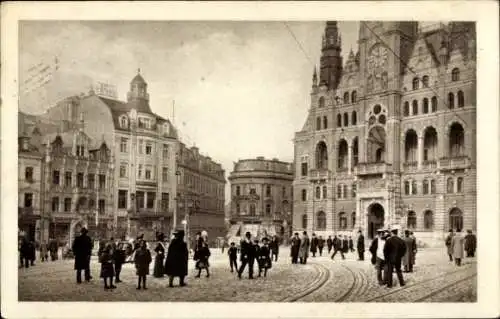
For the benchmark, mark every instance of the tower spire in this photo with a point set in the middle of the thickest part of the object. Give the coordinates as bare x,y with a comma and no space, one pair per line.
331,59
315,77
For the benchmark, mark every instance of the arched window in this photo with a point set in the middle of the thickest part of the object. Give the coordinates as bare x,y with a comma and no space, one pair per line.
324,192
426,106
346,98
318,123
304,195
433,186
252,209
406,109
355,151
451,101
456,219
339,120
354,118
325,122
414,106
339,191
378,155
460,182
268,209
353,219
304,221
123,121
321,102
461,101
434,104
411,220
414,187
342,154
411,146
238,209
425,187
425,81
354,97
428,220
318,192
238,191
342,220
407,187
455,75
415,83
321,155
344,191
456,146
268,190
449,185
346,119
321,221
430,144
354,190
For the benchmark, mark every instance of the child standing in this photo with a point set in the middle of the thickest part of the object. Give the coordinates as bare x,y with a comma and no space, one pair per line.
142,259
202,262
264,257
119,259
233,255
107,270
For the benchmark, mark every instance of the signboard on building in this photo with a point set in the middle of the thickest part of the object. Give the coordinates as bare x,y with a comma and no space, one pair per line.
105,90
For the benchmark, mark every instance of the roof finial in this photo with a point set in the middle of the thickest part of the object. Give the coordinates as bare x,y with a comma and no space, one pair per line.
139,71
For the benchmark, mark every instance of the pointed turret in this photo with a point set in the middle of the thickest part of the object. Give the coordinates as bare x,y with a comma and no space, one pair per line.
331,59
315,77
138,96
443,53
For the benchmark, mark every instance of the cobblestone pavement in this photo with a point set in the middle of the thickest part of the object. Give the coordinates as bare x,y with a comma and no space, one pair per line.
322,280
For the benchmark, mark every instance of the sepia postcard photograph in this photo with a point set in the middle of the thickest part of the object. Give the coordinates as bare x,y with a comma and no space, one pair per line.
250,160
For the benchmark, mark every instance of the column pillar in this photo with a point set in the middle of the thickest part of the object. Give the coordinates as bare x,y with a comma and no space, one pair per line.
349,159
420,151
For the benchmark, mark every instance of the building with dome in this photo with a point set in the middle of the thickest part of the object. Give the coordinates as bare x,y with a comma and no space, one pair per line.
143,147
390,136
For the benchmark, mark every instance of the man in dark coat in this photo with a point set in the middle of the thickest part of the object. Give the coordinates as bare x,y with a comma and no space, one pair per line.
82,249
176,264
247,255
25,253
351,244
329,244
314,245
294,248
321,244
394,251
53,249
274,246
470,243
360,246
337,246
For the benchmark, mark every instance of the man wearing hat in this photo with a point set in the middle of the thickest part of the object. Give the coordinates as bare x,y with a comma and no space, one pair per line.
470,243
176,264
247,255
82,249
394,251
377,251
411,250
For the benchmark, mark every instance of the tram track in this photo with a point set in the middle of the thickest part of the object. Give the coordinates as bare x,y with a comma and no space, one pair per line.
316,284
435,292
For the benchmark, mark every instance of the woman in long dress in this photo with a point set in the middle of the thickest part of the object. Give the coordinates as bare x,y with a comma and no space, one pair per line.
159,269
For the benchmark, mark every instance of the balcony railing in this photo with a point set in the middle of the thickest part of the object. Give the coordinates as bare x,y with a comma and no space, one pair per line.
373,168
451,163
410,166
426,165
319,174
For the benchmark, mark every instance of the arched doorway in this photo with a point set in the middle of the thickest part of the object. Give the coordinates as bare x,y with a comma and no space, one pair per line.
375,219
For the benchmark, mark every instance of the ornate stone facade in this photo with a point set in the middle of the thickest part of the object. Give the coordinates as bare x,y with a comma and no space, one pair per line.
393,140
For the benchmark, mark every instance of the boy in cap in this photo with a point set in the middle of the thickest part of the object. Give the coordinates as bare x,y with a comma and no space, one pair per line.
264,257
233,256
247,255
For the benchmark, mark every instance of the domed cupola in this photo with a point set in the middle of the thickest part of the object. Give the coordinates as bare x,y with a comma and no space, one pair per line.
138,96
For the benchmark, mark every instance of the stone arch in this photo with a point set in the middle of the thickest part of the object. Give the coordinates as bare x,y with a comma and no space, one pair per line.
430,136
456,140
376,144
411,146
455,218
376,218
321,220
342,154
321,155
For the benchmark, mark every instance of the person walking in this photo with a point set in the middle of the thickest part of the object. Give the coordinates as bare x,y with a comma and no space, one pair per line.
351,244
394,250
337,246
314,245
470,243
304,248
360,246
321,245
411,250
32,252
53,246
159,266
82,249
202,262
264,257
44,256
329,244
25,253
119,260
448,242
233,257
274,246
247,255
294,248
176,264
378,259
107,269
142,260
457,246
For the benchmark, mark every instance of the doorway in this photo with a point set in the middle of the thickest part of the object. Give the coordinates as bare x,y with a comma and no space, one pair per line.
375,219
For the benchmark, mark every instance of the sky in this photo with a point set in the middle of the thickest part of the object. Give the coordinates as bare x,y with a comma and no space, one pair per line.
241,89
